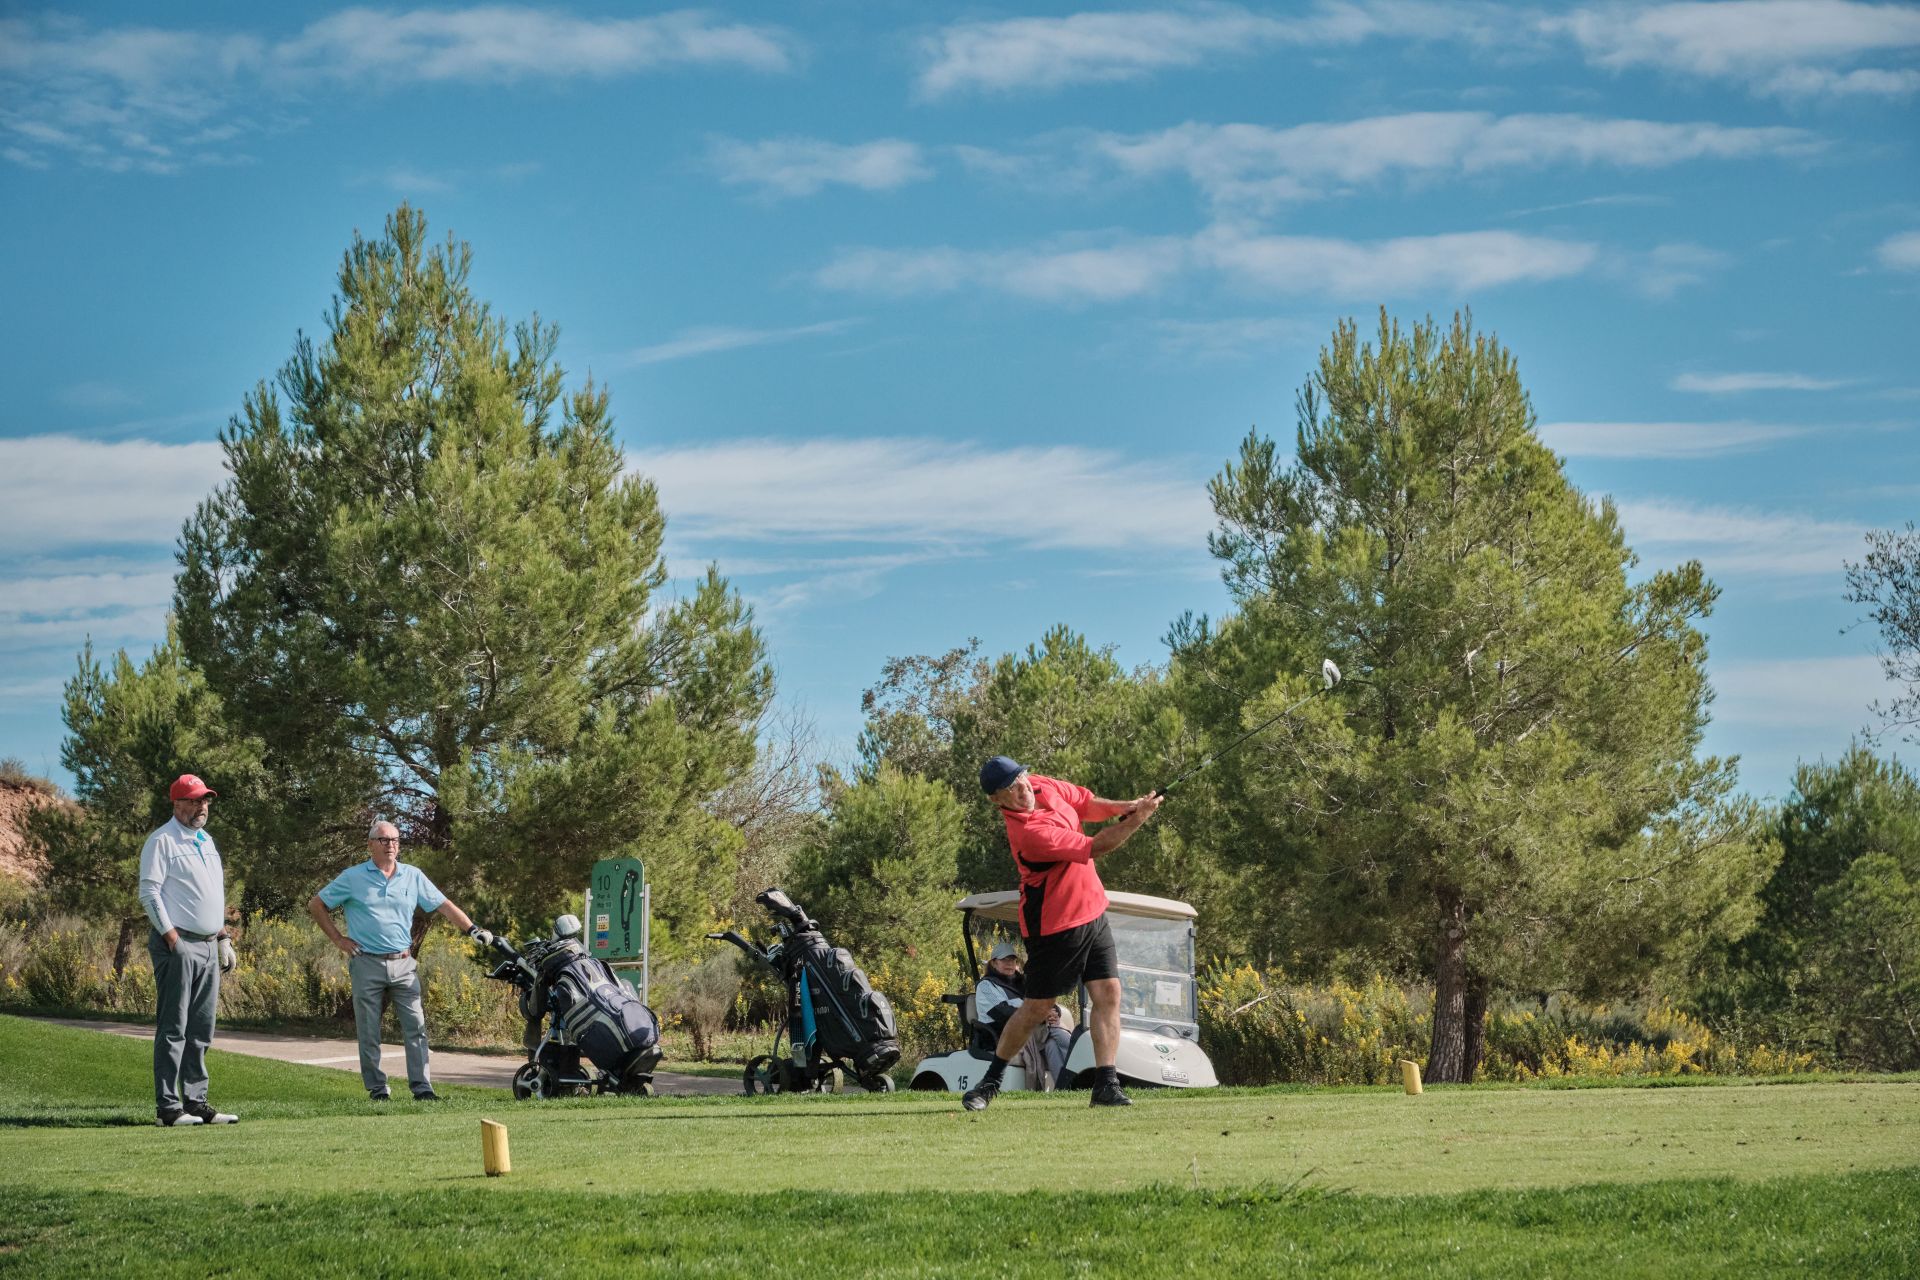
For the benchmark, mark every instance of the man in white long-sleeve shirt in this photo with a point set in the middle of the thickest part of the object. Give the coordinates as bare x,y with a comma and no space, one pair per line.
183,889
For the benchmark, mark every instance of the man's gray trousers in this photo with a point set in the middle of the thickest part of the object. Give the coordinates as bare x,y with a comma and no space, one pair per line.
187,981
375,982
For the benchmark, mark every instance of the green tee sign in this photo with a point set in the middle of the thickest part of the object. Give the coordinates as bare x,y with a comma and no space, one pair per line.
617,930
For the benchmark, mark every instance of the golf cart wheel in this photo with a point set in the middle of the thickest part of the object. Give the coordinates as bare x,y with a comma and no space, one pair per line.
526,1082
882,1083
763,1075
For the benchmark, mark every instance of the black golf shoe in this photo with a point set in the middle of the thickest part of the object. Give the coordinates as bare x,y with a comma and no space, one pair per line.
210,1116
178,1119
1109,1095
977,1098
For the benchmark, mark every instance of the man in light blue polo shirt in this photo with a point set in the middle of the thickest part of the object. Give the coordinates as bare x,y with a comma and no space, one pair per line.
380,896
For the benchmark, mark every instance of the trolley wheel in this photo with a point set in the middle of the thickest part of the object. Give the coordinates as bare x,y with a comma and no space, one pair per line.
763,1074
526,1082
834,1081
882,1083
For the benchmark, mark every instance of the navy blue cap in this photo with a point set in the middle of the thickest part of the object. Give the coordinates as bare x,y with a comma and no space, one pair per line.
999,772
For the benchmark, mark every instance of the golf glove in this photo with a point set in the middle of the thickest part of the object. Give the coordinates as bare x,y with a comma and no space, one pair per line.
228,956
480,936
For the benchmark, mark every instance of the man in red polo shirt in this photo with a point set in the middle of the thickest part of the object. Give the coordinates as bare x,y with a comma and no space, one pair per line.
1063,912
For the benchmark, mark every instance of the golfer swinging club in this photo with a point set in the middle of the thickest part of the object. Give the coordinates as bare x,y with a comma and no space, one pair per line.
1063,912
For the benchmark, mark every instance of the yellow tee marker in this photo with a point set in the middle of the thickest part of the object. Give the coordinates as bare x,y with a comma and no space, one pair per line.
1409,1077
493,1148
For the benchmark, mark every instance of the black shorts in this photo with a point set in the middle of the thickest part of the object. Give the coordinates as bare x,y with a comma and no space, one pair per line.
1059,962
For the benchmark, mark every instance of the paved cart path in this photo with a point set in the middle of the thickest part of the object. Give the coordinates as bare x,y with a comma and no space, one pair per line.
493,1071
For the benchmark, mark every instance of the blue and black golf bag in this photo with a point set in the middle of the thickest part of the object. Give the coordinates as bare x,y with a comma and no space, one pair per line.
836,1023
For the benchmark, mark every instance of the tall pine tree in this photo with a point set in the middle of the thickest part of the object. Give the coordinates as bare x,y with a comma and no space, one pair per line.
1507,794
431,589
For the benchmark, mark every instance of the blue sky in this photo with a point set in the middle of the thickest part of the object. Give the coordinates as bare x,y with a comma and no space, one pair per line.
933,323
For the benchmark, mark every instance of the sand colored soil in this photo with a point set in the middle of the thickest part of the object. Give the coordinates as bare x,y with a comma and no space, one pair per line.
17,800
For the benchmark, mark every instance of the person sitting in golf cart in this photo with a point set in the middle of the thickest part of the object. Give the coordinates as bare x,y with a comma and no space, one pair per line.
1001,991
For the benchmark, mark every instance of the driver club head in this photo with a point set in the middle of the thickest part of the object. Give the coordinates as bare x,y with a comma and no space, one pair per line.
1329,672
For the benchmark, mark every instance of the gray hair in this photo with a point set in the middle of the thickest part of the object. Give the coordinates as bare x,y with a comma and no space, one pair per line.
373,832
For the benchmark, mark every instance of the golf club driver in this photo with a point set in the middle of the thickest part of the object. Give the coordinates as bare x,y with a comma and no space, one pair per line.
1329,673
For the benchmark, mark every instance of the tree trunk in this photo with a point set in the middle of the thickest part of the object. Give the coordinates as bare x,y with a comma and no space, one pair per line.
124,944
1476,1017
1447,1056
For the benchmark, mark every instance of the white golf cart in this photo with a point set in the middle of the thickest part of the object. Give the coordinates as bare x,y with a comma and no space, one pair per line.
1159,1008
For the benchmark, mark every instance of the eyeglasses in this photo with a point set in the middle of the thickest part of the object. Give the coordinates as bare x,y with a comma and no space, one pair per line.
383,839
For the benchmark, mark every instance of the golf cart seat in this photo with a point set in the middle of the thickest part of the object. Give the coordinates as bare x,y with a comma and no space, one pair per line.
978,1039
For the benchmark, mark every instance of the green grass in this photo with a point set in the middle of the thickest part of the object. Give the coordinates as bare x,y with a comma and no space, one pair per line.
1740,1179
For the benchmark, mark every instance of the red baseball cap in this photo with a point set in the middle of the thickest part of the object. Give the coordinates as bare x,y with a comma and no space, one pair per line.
188,787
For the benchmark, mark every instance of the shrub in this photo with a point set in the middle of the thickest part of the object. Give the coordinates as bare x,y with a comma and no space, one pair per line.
1258,1029
60,970
698,995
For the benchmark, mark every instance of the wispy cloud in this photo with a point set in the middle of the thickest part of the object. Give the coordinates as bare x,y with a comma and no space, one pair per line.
927,493
1781,48
1665,269
1799,693
1777,48
1731,540
1033,54
489,43
150,99
66,492
1622,200
803,166
1120,268
1721,384
708,340
1231,338
1661,439
1259,167
1124,268
1900,252
1390,268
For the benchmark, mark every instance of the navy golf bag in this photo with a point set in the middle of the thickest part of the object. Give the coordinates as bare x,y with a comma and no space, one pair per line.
577,1007
835,1021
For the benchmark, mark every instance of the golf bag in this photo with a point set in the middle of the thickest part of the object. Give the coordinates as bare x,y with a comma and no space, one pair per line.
576,1006
835,1020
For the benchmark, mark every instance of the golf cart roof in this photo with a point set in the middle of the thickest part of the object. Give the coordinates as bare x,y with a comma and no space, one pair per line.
1004,904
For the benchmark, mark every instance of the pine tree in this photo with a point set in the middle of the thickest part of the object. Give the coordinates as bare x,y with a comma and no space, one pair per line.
880,873
431,589
1506,795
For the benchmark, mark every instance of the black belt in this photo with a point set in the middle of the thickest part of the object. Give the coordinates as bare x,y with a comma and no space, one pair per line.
191,936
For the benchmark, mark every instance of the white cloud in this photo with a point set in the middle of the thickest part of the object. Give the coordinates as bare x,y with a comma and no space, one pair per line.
1259,167
1730,540
1278,265
1665,269
802,166
1454,263
1720,384
1786,48
1232,338
1109,272
488,43
154,100
706,340
1019,54
1661,439
929,492
65,492
1799,693
1900,252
